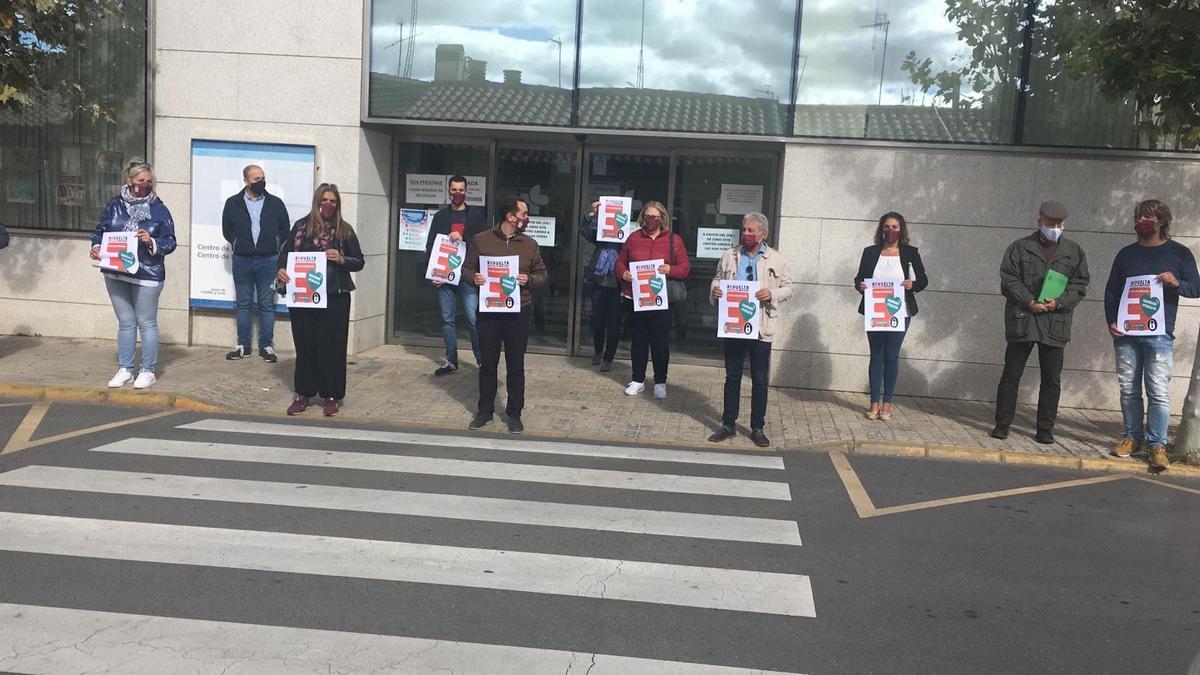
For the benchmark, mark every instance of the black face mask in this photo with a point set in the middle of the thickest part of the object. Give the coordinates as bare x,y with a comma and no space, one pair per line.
258,187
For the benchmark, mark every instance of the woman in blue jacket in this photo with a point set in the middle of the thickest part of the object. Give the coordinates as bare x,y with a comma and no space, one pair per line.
134,296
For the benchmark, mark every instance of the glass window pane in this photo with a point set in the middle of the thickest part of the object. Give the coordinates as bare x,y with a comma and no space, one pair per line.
472,61
853,82
700,65
59,163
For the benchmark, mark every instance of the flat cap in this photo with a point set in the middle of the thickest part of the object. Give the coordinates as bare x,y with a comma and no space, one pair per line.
1053,210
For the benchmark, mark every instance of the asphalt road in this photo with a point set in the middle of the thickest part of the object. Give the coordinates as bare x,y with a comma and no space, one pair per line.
272,545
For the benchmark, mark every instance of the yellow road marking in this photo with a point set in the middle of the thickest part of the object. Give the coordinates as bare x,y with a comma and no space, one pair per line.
27,444
867,509
1167,485
25,429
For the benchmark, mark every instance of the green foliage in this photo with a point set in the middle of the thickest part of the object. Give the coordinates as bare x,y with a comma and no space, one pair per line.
40,42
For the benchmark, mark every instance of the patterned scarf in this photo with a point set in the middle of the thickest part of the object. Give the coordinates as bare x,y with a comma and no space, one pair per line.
138,208
319,242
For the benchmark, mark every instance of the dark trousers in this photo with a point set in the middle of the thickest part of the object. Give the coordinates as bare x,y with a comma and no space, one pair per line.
510,331
606,320
1050,360
320,337
649,335
760,370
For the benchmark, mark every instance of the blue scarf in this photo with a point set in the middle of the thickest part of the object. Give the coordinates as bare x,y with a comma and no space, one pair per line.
606,260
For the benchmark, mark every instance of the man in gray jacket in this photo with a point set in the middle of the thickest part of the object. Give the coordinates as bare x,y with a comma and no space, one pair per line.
751,260
1032,316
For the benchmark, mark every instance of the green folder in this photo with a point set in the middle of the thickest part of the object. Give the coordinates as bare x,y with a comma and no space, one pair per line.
1053,286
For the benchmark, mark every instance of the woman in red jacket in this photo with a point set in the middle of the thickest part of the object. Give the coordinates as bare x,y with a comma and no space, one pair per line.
651,329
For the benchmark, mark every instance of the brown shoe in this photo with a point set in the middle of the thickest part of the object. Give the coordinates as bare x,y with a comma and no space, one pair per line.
330,408
298,406
1126,447
1158,458
722,433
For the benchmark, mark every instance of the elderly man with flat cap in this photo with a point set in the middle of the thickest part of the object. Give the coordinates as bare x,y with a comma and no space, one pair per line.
1043,277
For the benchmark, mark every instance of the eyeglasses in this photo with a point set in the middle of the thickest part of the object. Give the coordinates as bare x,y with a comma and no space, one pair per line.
749,272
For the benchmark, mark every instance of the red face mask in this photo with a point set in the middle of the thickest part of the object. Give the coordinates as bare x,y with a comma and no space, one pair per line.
891,236
651,224
749,241
327,210
1144,227
142,189
522,223
457,198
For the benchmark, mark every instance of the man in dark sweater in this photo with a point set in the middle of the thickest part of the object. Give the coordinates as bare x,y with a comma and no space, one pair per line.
507,329
255,223
1029,321
461,223
1148,357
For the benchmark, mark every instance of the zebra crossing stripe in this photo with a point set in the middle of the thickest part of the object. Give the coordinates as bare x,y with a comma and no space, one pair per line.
458,507
578,576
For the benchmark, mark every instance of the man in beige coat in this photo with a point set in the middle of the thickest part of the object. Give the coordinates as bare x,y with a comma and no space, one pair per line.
751,260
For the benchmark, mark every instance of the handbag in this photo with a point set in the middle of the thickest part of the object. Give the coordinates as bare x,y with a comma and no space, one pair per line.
676,290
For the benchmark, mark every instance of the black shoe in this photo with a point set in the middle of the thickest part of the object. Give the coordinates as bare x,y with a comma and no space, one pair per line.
998,432
760,439
268,354
446,368
239,352
1044,437
480,421
606,366
596,358
722,433
514,424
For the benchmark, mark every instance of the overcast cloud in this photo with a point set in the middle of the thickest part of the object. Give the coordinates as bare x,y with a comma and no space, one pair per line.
735,47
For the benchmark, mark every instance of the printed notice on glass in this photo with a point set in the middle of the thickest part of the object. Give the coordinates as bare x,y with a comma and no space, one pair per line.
614,216
445,260
738,310
500,291
712,242
414,229
306,285
883,305
1142,311
119,252
649,286
738,200
541,230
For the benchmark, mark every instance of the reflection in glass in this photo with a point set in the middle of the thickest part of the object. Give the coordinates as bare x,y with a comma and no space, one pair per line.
475,60
60,164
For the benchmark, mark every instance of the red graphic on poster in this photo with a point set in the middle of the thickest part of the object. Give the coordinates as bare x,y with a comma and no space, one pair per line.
735,323
304,292
1137,319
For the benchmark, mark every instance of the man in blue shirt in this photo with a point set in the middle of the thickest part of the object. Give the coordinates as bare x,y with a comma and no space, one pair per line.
255,223
1148,357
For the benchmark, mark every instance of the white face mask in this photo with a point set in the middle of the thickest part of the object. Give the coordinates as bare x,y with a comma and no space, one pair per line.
1051,233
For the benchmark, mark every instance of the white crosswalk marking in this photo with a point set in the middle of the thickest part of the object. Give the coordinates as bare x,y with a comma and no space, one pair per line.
639,521
628,480
51,639
487,443
684,585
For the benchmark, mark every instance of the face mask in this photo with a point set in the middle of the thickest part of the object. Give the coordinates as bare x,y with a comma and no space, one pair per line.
651,223
327,210
522,224
1051,234
457,198
1144,227
258,187
749,241
142,189
891,236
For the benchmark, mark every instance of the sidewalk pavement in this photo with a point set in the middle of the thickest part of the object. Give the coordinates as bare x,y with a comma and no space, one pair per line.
566,397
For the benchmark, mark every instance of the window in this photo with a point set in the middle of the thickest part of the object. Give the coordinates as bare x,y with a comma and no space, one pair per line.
60,165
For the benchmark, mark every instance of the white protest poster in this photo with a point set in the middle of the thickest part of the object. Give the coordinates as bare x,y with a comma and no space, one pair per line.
738,311
119,252
541,230
712,242
649,286
446,259
414,229
613,218
306,285
216,176
737,200
883,305
1142,311
425,188
500,291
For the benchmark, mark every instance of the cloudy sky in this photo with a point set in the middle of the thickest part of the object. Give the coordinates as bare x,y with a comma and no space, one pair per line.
736,47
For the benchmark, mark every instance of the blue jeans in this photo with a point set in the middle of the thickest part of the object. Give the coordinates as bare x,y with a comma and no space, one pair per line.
137,310
1149,358
447,296
254,286
885,362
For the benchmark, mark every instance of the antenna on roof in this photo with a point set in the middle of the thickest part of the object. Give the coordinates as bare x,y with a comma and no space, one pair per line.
412,40
641,70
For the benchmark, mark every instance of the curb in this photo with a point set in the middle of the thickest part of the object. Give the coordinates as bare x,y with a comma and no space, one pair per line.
172,401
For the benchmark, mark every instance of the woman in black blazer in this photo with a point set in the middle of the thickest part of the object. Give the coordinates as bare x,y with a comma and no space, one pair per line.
890,257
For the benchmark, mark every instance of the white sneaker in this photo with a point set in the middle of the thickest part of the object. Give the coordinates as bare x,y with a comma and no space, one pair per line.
635,388
121,379
144,380
660,390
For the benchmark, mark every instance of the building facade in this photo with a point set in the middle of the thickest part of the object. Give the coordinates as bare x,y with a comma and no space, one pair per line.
823,116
